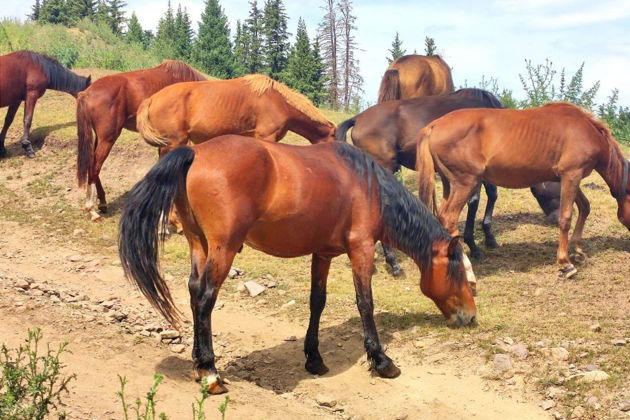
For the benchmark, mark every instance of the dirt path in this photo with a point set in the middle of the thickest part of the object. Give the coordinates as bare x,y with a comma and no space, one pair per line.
68,295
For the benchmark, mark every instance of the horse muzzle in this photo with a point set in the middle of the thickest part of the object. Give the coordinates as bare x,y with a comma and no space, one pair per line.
461,319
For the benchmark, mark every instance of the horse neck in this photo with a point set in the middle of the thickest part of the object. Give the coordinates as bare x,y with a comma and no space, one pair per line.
615,172
313,131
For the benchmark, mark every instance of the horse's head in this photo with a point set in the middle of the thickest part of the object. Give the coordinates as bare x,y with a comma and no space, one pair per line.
447,285
328,134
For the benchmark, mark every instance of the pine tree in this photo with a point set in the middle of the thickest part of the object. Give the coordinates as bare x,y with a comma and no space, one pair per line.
79,9
102,12
135,34
351,77
319,94
116,19
183,34
148,38
213,50
429,46
276,37
328,40
304,68
241,47
252,33
164,44
397,51
54,11
35,9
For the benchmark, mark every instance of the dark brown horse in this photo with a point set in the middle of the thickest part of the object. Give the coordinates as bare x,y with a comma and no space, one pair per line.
287,201
389,132
110,105
517,149
254,105
412,76
25,76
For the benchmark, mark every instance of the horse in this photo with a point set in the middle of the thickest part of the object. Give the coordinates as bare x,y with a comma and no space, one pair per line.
412,76
253,105
520,148
25,76
287,201
110,105
389,132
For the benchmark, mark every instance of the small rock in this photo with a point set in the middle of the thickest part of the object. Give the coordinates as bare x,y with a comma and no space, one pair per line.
548,404
593,402
624,405
554,391
235,272
594,376
590,368
75,258
254,288
117,316
169,335
559,354
240,287
78,232
282,292
595,327
271,284
288,304
325,400
619,342
178,348
291,338
578,412
539,291
22,284
519,350
502,362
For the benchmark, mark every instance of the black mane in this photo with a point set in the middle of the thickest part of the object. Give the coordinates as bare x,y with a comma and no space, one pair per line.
59,77
408,223
487,98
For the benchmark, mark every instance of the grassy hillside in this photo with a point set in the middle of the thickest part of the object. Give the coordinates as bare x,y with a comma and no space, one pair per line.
87,46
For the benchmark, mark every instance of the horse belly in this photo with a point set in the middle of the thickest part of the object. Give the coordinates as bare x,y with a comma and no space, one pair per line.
515,177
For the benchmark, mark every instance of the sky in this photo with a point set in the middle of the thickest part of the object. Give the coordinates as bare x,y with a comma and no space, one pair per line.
490,38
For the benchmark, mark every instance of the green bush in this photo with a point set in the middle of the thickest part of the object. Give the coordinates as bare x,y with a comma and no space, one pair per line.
31,385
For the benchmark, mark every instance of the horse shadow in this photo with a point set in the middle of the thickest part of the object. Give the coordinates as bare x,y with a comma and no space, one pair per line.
37,137
526,256
281,368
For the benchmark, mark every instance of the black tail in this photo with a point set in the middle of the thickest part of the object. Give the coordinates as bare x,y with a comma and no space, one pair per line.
342,129
139,240
390,87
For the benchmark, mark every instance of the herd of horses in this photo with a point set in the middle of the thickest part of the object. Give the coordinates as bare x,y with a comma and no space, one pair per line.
236,185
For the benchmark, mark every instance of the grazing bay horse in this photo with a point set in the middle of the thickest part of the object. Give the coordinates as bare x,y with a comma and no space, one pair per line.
253,105
110,105
517,149
25,76
412,76
287,201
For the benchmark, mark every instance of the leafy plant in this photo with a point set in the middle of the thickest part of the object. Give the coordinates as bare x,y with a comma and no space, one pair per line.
31,384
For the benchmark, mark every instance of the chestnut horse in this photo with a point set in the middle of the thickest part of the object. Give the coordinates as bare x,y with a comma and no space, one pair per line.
412,76
389,132
517,149
25,76
110,105
287,201
253,105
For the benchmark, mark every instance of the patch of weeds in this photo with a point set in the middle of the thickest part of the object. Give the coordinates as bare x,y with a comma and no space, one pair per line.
32,384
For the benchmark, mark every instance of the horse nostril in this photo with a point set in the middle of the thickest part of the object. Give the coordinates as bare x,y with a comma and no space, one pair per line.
473,320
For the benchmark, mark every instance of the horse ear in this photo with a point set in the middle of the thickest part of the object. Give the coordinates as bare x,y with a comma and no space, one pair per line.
88,81
452,245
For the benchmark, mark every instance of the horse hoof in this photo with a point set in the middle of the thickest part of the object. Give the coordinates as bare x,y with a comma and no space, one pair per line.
567,272
213,384
3,152
94,216
30,154
578,258
397,272
102,208
388,371
491,243
316,367
476,254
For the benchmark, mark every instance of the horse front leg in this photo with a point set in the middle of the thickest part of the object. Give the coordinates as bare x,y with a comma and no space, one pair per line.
492,194
29,108
584,208
319,277
362,259
569,187
8,120
203,286
469,230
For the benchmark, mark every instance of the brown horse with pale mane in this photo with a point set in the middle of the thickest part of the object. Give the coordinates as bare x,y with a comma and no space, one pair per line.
110,105
253,105
288,201
412,76
520,148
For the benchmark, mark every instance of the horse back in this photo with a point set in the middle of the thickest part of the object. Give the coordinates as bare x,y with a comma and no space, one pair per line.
17,75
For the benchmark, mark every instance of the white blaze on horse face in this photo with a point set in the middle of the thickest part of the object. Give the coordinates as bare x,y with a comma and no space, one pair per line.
470,274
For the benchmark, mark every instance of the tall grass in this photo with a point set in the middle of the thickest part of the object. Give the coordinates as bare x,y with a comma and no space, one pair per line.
89,45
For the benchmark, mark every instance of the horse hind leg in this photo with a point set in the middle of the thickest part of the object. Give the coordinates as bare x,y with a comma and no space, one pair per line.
8,120
569,190
392,261
29,108
319,277
584,208
492,194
